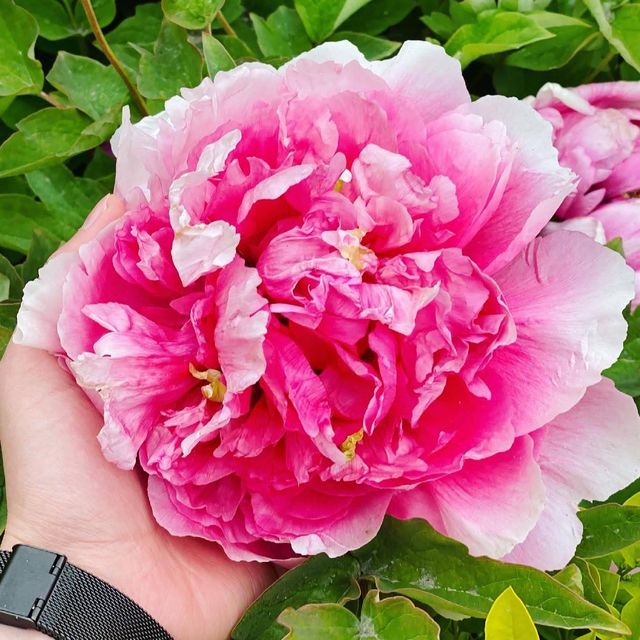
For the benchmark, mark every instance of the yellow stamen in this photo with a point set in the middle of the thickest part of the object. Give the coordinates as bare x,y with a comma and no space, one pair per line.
355,253
348,447
339,185
216,389
632,194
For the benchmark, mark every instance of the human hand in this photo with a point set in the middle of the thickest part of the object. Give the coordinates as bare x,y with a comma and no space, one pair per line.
65,497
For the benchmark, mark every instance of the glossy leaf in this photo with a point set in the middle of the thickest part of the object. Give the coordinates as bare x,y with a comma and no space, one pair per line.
13,277
175,63
372,47
48,136
191,14
20,72
216,57
282,34
54,22
105,11
43,244
508,619
494,32
379,15
322,17
553,53
68,197
630,614
393,618
608,528
621,27
412,559
141,29
318,580
19,217
90,86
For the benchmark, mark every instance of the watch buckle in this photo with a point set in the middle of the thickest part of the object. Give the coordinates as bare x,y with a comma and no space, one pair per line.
26,585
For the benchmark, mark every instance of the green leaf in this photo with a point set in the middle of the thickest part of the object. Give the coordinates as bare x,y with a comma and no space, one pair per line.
8,313
68,198
282,34
620,27
318,580
568,40
48,136
508,619
5,285
237,48
20,72
591,582
373,48
16,285
571,577
191,14
53,21
608,528
105,11
379,15
175,63
322,17
43,244
630,614
90,86
494,32
625,373
412,559
19,216
216,56
142,28
440,23
390,619
609,585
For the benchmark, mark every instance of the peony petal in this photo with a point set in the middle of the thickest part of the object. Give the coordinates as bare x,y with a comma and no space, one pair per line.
42,305
588,453
536,187
490,505
566,294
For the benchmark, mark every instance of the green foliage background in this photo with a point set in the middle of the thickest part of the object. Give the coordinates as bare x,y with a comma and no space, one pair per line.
67,67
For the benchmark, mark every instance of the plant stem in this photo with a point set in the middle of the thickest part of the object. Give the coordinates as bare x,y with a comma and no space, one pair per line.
604,63
228,29
51,100
111,57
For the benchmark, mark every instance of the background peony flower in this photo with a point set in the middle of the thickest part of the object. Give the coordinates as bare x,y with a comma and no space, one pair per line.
597,133
328,302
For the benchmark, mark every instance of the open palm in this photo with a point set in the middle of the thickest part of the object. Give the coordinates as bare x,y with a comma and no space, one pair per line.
64,496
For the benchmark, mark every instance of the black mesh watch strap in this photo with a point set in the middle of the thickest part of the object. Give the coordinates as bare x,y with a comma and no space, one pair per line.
40,590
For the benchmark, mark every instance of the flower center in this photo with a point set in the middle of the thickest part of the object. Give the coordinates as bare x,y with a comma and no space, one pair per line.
353,251
213,391
348,447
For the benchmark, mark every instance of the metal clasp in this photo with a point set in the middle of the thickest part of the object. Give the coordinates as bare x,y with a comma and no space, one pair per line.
26,585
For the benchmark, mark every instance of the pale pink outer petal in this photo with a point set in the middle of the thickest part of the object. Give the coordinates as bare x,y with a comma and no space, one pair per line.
536,188
588,225
241,326
566,294
42,304
421,73
490,505
588,453
426,77
201,248
364,521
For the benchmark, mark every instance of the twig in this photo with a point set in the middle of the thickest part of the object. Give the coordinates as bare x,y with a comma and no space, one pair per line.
52,100
604,63
228,29
111,57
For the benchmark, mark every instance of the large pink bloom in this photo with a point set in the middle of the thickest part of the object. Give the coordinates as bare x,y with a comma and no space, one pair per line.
596,128
327,302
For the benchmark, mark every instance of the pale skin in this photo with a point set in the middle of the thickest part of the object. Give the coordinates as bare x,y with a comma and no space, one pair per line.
64,496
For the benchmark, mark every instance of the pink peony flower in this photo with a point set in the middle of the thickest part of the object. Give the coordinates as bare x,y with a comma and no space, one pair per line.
597,133
328,302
